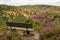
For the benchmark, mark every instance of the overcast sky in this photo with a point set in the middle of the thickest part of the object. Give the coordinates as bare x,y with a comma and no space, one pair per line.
30,2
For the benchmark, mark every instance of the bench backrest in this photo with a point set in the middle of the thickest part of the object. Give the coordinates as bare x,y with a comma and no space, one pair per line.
21,25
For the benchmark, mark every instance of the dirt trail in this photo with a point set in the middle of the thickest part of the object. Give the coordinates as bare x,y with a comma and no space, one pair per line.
35,37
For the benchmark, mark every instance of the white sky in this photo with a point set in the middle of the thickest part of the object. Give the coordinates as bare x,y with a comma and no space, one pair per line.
30,2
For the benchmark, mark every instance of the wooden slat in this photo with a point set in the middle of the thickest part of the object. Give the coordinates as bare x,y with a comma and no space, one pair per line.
22,29
22,25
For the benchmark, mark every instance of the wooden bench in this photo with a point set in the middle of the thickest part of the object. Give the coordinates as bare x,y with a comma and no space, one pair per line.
20,26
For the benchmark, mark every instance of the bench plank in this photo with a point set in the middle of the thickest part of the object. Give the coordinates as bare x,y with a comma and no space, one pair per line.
22,25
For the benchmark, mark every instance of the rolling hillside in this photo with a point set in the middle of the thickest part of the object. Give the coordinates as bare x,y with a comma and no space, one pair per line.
45,18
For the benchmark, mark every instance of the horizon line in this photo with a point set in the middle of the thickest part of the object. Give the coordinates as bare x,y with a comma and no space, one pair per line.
30,5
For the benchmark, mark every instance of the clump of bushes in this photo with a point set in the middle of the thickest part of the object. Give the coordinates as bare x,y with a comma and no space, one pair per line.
50,34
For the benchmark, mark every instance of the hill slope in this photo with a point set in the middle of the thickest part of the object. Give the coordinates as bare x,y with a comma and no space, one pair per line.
45,19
